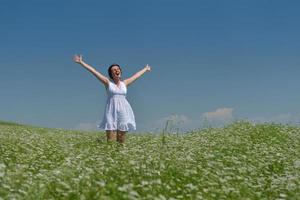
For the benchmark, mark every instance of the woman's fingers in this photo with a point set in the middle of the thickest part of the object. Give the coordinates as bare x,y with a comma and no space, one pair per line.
77,58
148,68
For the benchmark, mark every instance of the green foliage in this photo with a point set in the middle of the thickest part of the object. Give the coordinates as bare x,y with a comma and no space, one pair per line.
239,161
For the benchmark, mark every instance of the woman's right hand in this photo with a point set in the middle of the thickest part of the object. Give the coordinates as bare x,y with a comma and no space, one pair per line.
77,59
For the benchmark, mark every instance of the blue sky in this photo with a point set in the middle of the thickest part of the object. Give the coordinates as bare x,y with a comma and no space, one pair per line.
219,60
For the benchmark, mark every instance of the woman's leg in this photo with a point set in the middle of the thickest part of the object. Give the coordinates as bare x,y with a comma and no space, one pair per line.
111,136
121,136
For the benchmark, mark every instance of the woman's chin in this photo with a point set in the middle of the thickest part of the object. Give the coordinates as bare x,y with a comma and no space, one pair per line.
117,77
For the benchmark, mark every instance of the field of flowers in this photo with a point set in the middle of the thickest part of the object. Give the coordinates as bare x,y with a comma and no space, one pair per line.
239,161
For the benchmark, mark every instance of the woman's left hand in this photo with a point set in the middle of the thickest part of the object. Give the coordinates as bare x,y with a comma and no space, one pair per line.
148,68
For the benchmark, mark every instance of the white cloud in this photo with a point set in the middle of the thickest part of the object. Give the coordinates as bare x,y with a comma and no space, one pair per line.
175,121
219,115
175,118
184,123
86,126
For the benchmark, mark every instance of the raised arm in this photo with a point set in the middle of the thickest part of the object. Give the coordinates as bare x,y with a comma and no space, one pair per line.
98,75
137,75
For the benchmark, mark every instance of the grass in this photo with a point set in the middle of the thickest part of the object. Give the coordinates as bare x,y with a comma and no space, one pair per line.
239,161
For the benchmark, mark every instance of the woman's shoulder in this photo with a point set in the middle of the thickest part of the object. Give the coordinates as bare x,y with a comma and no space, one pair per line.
124,83
110,83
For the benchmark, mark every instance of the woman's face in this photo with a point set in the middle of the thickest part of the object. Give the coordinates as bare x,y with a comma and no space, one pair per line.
116,72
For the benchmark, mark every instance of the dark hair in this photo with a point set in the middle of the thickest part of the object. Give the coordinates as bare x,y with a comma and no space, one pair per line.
111,66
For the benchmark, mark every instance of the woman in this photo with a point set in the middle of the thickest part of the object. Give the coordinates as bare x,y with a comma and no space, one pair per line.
118,117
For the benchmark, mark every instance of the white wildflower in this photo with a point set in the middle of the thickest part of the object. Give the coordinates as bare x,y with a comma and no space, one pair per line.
2,169
297,164
191,186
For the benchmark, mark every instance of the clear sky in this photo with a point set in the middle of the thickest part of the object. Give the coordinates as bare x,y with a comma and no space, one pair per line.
218,60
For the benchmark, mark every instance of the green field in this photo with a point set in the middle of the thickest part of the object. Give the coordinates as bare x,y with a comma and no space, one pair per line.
239,161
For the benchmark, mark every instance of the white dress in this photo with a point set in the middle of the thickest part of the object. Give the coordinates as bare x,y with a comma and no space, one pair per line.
118,113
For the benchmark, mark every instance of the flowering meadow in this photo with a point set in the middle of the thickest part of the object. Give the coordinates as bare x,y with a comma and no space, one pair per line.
239,161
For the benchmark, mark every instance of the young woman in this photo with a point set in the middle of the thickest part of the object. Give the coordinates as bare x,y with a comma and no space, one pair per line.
118,116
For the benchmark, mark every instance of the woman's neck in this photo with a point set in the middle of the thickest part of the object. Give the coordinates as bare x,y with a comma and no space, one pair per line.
117,81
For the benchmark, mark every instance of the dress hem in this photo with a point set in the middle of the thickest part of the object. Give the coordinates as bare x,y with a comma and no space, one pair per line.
120,127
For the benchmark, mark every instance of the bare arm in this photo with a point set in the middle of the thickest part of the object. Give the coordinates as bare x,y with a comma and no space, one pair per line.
137,75
98,75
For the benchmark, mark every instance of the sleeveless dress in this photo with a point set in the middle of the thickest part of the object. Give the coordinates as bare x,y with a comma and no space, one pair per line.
118,113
